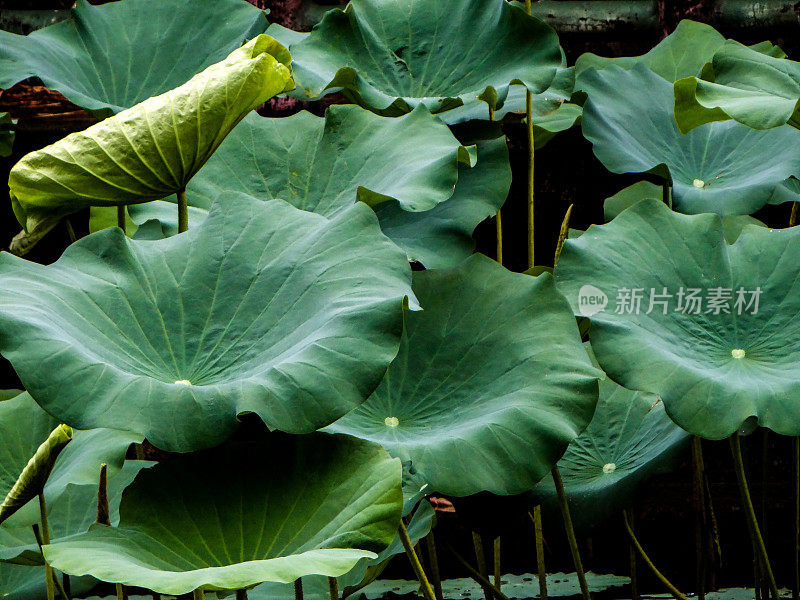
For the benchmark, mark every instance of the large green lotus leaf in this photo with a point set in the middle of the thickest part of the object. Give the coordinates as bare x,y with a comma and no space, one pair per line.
18,582
713,369
262,309
315,587
488,389
153,149
392,55
293,159
6,134
756,89
276,510
108,58
442,237
725,168
325,165
629,439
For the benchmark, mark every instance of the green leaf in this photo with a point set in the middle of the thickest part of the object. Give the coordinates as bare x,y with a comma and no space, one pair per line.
627,197
629,439
284,508
19,582
255,311
713,369
153,149
392,55
488,389
442,237
683,53
725,168
110,57
755,89
6,133
24,426
326,165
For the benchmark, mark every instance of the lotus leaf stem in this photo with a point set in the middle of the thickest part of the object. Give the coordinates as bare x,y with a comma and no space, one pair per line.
405,539
531,147
672,589
750,514
48,570
433,558
480,559
199,594
700,515
298,588
62,589
333,588
70,231
498,218
183,212
796,473
563,234
121,217
122,593
536,517
480,579
573,542
498,583
103,516
793,215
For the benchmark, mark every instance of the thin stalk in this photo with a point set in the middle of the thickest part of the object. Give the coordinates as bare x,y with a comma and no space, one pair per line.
498,583
70,231
103,516
49,576
672,589
480,558
473,572
763,495
183,212
700,521
531,146
563,234
632,558
750,514
121,217
298,588
793,216
573,542
198,594
122,593
62,588
536,517
333,588
241,594
498,217
433,558
796,472
427,590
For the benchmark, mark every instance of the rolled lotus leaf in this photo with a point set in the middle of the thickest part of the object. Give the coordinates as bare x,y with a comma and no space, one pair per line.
392,55
33,477
630,439
107,58
153,149
755,89
283,508
676,310
254,311
488,389
720,167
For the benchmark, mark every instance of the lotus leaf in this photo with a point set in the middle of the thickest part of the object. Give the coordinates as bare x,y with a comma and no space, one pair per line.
717,168
629,439
678,311
283,508
108,58
19,582
488,389
6,134
254,311
392,55
758,90
153,149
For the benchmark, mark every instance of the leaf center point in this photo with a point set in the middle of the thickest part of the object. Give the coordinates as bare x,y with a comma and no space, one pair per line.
737,353
391,421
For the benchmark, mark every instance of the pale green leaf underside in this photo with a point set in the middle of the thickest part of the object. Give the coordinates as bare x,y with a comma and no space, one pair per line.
725,168
393,55
110,57
153,149
688,359
487,389
284,508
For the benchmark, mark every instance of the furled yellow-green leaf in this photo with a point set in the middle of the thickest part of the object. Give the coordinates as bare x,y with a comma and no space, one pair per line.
33,477
153,149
